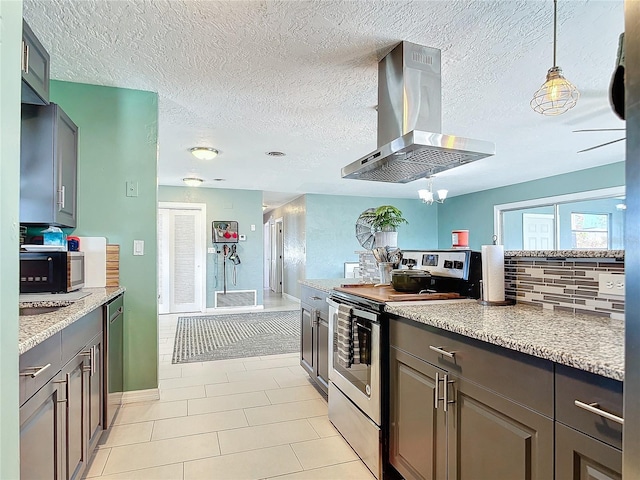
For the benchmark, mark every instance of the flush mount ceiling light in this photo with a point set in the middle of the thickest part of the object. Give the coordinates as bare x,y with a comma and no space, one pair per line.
557,94
276,154
426,195
192,181
204,153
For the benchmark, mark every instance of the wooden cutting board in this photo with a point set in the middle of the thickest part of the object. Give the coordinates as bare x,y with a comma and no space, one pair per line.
113,265
386,293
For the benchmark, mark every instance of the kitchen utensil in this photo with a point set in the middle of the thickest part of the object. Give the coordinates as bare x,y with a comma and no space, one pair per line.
409,280
385,272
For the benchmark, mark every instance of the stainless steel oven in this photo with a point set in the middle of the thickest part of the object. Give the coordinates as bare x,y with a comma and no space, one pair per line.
355,386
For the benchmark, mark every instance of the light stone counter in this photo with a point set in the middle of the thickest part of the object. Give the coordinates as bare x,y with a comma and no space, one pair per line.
35,329
328,284
565,253
589,343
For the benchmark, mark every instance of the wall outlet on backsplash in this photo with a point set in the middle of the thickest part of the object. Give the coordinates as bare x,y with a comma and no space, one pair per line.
611,284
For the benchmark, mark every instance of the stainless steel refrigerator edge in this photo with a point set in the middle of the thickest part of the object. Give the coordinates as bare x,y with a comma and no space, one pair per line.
631,431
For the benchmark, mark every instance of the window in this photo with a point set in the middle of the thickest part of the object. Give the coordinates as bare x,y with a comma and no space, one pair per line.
585,220
590,231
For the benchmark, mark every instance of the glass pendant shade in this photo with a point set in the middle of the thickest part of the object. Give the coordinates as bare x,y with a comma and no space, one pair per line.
442,194
425,195
556,96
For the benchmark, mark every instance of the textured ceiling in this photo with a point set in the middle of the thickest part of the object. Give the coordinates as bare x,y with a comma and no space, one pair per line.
247,77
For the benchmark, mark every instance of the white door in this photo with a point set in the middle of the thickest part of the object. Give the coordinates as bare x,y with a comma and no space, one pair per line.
538,231
267,255
181,262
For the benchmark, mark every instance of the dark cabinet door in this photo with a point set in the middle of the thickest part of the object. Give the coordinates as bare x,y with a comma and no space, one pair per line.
491,437
35,69
322,349
417,433
307,327
76,388
42,420
96,391
580,457
67,159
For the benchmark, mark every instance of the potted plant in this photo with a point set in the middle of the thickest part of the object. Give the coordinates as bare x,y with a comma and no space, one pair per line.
384,220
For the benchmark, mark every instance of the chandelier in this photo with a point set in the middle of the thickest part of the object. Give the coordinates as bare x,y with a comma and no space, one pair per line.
426,195
557,94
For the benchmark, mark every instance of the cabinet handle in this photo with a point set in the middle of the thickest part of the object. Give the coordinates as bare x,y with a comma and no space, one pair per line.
442,352
436,395
314,297
61,198
22,57
35,371
445,398
593,408
26,58
93,360
66,389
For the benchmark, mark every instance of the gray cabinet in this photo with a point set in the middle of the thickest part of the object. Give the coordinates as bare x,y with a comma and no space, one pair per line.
452,412
48,166
588,429
42,421
61,397
314,335
34,65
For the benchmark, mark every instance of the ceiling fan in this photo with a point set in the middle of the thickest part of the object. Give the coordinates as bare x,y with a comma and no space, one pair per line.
601,130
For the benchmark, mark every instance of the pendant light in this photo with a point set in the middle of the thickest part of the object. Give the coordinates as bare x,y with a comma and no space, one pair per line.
427,195
557,94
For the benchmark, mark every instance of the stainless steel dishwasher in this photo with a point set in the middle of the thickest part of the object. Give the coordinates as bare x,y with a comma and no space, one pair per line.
114,375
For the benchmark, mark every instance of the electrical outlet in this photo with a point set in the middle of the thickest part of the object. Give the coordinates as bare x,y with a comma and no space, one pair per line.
611,284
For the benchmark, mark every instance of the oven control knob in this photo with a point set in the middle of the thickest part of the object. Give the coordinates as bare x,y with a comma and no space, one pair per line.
458,265
448,264
368,389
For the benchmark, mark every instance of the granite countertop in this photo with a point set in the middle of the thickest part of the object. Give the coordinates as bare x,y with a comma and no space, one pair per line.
35,329
586,342
327,284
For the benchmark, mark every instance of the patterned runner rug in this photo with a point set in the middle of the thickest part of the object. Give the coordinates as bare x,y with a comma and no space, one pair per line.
218,337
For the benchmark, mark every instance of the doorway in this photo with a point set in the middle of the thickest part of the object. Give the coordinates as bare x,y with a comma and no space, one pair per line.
538,231
277,256
181,257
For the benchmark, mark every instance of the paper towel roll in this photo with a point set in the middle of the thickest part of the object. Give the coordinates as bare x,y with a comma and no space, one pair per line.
493,273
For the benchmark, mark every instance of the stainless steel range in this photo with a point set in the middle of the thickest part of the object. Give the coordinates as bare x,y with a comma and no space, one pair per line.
358,342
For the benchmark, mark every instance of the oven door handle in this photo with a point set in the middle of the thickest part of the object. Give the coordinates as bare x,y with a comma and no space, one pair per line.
356,312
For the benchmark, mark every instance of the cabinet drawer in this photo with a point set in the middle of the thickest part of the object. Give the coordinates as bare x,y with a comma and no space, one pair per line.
315,298
77,335
44,361
573,384
525,379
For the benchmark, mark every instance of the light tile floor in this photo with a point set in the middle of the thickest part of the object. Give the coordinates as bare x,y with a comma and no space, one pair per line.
249,418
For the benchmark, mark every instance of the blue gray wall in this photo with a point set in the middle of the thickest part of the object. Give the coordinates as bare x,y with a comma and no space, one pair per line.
331,238
243,206
474,211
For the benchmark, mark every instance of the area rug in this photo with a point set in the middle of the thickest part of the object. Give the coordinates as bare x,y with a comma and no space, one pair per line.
219,337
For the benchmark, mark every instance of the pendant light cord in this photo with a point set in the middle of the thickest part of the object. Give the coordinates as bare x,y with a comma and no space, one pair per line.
555,21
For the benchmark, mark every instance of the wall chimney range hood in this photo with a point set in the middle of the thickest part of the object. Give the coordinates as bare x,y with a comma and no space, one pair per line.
410,145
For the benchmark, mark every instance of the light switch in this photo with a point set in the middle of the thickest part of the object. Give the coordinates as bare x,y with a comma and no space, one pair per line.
138,247
243,237
211,250
253,228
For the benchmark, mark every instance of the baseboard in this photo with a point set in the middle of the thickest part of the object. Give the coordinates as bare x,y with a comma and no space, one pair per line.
136,396
291,298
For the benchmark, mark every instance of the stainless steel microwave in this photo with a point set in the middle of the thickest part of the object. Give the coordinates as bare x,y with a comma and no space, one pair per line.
51,272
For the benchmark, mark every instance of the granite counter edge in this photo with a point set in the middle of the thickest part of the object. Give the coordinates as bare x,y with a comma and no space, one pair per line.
68,319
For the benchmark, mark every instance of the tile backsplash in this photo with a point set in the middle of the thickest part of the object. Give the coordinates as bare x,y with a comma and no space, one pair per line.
569,284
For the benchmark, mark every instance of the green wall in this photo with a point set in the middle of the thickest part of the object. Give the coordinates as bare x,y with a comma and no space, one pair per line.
243,206
10,85
330,230
118,131
474,212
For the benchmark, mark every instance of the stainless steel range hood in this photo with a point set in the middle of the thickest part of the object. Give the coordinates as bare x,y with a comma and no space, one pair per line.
410,145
